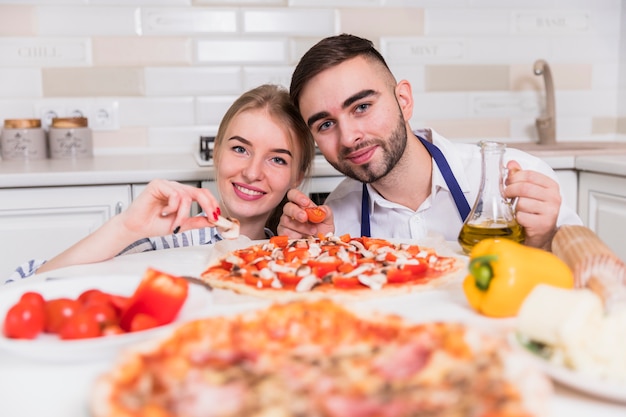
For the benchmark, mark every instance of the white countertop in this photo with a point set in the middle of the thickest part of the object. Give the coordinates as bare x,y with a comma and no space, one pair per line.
115,169
31,387
142,168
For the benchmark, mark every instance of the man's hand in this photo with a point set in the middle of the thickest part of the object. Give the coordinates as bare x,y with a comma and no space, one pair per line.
297,223
538,204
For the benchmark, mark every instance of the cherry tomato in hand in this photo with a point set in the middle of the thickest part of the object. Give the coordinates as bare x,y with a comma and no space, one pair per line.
81,325
24,321
57,311
315,214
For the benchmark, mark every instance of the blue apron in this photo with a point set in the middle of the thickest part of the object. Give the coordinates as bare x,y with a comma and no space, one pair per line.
457,194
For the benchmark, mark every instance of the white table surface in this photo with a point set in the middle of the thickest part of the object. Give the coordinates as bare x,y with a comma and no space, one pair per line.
30,387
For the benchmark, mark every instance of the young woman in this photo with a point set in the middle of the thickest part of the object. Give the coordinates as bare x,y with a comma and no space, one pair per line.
262,149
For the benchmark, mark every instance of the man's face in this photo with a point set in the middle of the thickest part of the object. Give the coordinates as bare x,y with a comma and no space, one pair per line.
355,118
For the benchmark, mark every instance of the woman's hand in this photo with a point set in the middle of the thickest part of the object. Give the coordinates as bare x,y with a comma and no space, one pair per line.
297,223
538,204
164,207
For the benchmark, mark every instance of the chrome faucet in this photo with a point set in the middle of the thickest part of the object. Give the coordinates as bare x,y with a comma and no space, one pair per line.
546,124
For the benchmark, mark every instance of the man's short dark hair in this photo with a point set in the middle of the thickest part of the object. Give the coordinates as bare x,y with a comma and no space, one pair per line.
327,53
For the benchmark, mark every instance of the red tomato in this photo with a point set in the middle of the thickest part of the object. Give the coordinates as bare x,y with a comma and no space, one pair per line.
395,275
81,325
293,253
112,330
289,280
24,321
57,311
119,302
280,241
143,322
315,214
104,314
343,282
33,298
323,268
94,296
159,295
417,270
257,281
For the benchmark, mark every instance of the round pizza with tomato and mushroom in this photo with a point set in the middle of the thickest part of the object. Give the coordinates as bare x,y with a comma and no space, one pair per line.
320,359
340,267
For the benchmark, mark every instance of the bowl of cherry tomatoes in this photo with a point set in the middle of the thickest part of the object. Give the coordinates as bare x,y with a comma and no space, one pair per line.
95,316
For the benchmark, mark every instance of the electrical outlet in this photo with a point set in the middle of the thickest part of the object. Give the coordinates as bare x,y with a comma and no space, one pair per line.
102,114
47,111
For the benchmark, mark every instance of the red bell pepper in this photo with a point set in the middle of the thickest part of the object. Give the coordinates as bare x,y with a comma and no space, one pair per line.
158,295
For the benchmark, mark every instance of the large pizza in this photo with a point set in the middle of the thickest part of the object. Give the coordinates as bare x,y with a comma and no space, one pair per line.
319,359
338,267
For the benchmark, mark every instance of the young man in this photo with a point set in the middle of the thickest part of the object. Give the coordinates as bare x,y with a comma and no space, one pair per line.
402,184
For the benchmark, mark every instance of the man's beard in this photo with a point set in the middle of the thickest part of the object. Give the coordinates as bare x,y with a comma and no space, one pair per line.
392,149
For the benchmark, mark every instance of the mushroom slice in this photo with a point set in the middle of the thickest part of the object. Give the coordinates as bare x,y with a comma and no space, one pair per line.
374,281
307,283
228,228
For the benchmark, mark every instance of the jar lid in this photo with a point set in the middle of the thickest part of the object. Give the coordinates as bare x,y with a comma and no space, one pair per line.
21,123
65,122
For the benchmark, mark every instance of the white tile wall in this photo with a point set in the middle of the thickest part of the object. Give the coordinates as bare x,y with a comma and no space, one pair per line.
174,111
186,20
239,44
45,52
20,82
81,21
176,81
303,22
249,50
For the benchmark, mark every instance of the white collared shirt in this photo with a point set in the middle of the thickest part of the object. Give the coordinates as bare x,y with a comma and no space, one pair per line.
438,214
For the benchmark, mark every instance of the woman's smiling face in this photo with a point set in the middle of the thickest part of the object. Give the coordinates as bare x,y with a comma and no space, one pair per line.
257,165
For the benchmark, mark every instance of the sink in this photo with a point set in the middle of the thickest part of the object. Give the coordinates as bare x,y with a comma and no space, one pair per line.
573,148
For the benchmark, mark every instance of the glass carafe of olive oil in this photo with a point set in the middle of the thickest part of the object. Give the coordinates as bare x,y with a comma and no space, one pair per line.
492,215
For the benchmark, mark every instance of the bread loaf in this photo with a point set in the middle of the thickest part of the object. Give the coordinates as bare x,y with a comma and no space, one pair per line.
594,264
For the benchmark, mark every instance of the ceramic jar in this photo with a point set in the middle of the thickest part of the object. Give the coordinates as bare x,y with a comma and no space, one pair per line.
23,139
70,137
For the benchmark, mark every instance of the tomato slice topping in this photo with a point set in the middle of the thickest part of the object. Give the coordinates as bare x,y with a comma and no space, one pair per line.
257,281
343,282
323,268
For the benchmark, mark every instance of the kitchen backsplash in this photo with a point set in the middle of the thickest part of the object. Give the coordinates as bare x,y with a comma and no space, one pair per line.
154,75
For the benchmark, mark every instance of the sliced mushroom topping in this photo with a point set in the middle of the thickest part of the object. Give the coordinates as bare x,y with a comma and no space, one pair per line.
364,252
267,273
277,253
344,255
280,268
235,260
359,270
303,270
315,249
307,283
262,258
374,281
276,283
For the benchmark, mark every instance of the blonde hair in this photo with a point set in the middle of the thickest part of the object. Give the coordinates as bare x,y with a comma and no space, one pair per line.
276,101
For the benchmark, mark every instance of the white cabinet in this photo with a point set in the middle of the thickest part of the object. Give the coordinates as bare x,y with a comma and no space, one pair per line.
38,223
602,207
568,179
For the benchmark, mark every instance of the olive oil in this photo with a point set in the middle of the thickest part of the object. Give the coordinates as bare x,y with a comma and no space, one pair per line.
471,234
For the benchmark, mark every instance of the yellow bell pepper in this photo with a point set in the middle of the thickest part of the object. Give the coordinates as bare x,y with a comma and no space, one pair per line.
503,272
